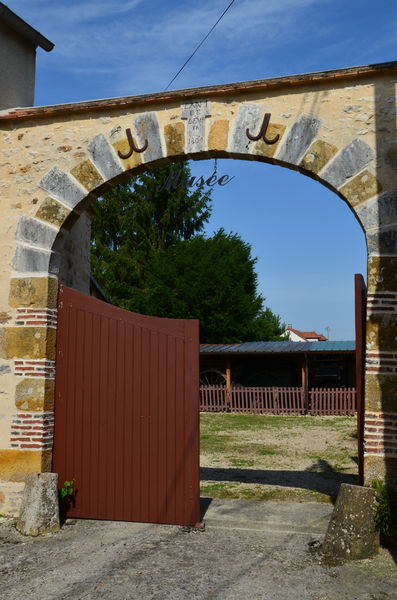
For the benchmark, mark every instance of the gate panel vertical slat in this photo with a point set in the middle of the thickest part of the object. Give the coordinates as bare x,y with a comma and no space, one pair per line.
127,426
191,449
179,432
162,448
170,425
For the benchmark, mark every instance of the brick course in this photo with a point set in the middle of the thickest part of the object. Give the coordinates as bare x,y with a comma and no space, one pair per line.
32,431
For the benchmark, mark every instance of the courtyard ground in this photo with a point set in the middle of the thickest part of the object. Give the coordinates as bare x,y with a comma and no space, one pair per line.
268,457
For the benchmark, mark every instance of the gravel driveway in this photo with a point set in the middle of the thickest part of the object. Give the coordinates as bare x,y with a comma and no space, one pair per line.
255,550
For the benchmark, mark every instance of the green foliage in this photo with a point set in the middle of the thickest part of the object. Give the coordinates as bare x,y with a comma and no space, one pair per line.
133,221
213,280
386,513
67,490
149,256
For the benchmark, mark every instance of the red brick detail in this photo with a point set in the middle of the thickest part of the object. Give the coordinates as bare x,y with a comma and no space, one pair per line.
32,430
380,433
382,302
35,317
35,368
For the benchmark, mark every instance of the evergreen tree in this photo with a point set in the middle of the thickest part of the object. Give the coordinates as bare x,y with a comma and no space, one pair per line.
149,257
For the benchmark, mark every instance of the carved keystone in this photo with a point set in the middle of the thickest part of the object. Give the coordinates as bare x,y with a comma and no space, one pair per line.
195,113
352,533
40,505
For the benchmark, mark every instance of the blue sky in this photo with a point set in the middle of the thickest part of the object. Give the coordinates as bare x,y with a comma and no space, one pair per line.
307,241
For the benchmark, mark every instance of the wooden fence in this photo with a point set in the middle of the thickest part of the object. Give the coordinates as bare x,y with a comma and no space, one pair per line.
278,400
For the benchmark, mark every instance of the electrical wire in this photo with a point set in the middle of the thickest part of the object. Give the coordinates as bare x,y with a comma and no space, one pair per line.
200,44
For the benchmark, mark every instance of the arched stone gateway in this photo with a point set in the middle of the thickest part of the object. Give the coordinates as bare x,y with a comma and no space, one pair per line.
338,127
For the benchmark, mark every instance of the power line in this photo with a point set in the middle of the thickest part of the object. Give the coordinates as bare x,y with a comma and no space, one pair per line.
200,44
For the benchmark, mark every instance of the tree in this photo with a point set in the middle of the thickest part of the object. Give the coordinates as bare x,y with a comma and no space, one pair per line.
149,257
212,279
136,219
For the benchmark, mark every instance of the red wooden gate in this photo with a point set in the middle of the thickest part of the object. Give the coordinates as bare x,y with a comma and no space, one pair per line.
127,412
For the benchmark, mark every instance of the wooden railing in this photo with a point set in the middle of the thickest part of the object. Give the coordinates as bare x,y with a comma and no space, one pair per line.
278,400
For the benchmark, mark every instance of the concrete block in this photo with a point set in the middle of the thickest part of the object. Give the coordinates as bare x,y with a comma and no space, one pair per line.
348,163
104,157
298,139
63,187
352,532
40,505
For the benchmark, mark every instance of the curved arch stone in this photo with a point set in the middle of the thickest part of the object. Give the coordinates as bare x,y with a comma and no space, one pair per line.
349,162
62,186
104,157
298,139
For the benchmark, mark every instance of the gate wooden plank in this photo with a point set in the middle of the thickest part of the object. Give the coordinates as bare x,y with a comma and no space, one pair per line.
127,412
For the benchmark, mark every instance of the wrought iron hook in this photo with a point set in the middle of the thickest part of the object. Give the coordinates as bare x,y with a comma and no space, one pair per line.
133,147
262,132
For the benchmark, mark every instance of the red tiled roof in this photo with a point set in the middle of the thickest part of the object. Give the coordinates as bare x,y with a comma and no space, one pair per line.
308,334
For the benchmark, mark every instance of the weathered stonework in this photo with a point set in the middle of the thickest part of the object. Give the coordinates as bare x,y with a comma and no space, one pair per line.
35,395
16,464
174,135
52,211
262,148
318,155
382,274
218,136
73,155
27,342
87,175
37,292
360,188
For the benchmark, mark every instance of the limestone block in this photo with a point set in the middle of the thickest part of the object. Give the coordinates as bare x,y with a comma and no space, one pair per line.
63,187
381,392
40,505
382,241
382,274
36,232
381,467
104,157
359,189
87,175
147,128
35,394
263,149
16,464
30,260
318,155
352,532
123,146
174,135
381,332
28,342
53,211
350,161
249,117
298,139
218,135
35,292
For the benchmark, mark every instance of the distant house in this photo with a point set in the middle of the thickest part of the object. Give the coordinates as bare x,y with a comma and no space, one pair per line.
295,335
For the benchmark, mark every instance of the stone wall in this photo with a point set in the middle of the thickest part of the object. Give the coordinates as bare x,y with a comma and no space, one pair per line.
337,127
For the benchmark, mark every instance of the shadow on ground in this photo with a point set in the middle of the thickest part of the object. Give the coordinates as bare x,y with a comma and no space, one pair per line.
319,477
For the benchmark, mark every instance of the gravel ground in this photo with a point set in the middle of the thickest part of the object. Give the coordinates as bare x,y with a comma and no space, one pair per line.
255,550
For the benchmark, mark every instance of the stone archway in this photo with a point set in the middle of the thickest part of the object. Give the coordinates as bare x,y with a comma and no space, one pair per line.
337,127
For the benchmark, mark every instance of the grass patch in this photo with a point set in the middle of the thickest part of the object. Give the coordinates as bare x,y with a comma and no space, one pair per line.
258,492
